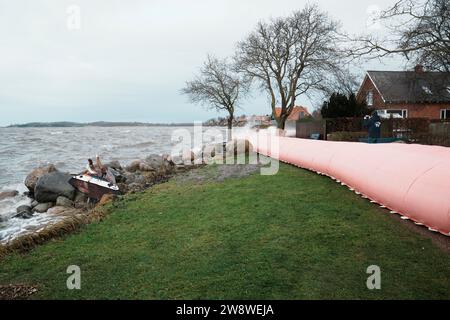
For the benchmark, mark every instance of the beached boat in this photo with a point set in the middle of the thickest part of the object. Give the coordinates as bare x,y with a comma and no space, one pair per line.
94,187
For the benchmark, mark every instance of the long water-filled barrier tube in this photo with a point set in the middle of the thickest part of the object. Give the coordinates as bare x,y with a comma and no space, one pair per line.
409,179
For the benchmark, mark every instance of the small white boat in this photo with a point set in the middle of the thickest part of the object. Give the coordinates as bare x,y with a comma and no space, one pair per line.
94,187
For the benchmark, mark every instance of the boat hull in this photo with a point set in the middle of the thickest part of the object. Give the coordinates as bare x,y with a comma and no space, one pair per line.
94,188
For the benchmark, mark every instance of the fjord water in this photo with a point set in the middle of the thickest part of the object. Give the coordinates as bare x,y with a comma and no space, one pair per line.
23,149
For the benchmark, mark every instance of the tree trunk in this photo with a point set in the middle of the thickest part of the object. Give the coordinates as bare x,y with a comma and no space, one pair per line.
281,121
230,126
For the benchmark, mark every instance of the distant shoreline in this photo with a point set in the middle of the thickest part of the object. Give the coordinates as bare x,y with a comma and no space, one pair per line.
65,124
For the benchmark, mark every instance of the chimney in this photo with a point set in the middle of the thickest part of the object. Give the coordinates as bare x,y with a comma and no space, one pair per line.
418,68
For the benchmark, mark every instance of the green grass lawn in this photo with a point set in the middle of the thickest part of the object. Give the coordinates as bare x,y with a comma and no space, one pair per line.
295,235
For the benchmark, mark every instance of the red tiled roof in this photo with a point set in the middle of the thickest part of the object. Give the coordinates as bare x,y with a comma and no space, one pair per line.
295,114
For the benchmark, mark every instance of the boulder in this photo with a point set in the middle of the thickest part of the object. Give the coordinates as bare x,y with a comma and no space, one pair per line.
148,177
143,166
64,202
135,187
133,166
129,178
158,163
42,207
177,160
80,197
188,157
180,168
153,163
8,194
52,185
236,147
114,165
64,211
212,152
123,187
139,179
80,201
32,179
57,210
118,175
34,204
24,212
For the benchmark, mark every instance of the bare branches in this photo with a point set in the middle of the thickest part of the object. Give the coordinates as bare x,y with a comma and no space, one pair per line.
420,31
217,86
289,56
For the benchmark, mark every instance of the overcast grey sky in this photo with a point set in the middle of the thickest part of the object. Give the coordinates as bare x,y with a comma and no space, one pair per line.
128,60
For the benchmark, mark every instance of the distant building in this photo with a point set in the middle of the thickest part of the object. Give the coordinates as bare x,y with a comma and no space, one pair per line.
255,120
407,94
299,112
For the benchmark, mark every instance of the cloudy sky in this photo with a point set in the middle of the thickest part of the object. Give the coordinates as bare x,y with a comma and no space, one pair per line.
128,60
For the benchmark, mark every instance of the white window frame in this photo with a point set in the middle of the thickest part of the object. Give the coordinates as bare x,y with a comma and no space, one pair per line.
443,115
427,90
369,98
388,112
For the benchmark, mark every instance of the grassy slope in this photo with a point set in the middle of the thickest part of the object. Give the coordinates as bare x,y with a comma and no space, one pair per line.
294,235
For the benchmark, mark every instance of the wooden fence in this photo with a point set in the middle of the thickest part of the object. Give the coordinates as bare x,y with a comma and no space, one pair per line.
412,130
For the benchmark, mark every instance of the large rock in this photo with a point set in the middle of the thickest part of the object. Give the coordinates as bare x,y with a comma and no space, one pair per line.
57,210
236,147
24,212
184,157
188,157
129,177
8,194
118,175
33,177
138,165
139,179
152,163
114,165
64,211
64,202
143,166
213,152
123,187
133,166
42,207
52,185
80,197
135,187
155,161
177,159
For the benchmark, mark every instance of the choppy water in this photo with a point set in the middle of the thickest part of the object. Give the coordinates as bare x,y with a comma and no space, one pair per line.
23,149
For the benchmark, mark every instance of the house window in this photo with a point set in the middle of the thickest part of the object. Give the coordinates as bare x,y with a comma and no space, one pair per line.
445,114
369,98
395,113
404,113
427,90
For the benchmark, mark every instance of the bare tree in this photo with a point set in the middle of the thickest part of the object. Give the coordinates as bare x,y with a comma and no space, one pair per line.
289,56
418,30
218,87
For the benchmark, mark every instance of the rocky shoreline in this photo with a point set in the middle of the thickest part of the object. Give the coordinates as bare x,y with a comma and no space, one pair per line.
51,193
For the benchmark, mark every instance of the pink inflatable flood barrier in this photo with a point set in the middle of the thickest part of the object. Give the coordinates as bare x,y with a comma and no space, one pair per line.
409,179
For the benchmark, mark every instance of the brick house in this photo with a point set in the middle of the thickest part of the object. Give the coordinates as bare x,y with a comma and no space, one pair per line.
298,112
407,94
